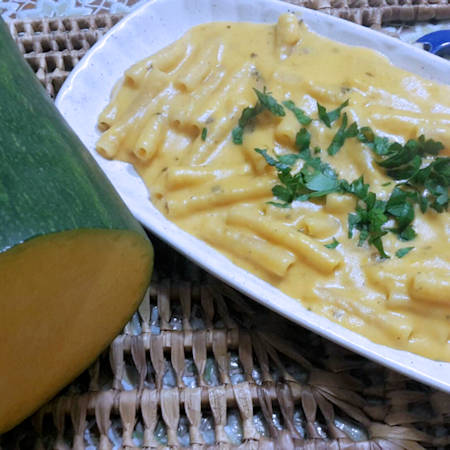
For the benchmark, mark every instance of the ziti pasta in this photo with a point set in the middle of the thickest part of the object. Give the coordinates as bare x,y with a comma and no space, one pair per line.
319,167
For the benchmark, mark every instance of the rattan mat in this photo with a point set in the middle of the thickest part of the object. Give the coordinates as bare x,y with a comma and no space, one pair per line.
201,366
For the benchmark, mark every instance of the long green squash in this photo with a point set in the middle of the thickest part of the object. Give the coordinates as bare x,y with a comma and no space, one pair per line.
74,263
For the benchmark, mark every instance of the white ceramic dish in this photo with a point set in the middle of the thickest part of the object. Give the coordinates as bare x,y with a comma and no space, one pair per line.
153,26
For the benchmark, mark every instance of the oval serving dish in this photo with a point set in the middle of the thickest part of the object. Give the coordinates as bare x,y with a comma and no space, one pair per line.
150,28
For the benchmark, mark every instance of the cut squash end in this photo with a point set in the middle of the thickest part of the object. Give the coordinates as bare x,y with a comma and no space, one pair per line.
63,298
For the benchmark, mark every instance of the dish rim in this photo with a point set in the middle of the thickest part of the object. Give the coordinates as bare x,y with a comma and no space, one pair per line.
73,91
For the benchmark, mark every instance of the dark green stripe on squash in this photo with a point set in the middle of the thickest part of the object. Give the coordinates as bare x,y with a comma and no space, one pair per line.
49,182
74,263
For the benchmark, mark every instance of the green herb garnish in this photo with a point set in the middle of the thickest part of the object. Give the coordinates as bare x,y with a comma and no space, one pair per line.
265,101
204,133
298,112
407,163
282,162
247,114
268,102
342,134
315,179
369,216
333,244
419,180
329,117
400,206
403,251
303,139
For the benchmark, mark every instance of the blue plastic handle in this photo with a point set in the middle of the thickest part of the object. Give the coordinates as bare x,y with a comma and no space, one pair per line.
437,42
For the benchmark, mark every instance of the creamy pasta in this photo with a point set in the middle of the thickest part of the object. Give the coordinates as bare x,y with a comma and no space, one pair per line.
176,117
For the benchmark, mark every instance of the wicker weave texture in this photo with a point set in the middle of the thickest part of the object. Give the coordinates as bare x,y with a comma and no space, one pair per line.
54,46
374,13
201,366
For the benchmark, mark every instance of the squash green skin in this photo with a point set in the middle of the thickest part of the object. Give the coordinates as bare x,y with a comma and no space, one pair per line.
48,181
50,184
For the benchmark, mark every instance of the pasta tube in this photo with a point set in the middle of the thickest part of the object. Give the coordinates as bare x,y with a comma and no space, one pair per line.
431,287
272,258
229,191
307,248
182,176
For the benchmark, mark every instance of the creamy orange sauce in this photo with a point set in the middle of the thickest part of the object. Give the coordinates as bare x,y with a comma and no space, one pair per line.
218,191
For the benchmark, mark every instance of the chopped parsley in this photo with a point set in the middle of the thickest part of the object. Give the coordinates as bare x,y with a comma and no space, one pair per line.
268,102
303,139
315,179
342,134
403,251
400,206
265,101
247,115
298,112
421,177
333,244
329,117
281,163
369,216
204,133
427,184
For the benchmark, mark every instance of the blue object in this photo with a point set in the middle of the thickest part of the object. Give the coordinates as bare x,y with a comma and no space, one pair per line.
437,42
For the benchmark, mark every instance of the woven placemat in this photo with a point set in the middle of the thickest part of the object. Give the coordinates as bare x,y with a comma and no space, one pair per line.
53,46
201,366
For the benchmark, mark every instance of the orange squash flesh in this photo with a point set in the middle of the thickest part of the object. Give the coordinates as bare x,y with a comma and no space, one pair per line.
63,298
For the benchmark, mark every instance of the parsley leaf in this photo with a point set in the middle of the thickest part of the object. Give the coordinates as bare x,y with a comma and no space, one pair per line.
247,115
318,175
422,182
315,179
204,133
366,135
408,234
372,214
237,135
282,163
303,139
403,162
403,251
399,155
321,183
288,159
284,193
376,241
333,244
434,180
342,134
268,102
357,188
401,207
380,145
369,216
429,183
298,112
265,101
428,146
329,117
